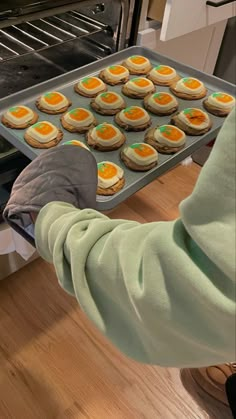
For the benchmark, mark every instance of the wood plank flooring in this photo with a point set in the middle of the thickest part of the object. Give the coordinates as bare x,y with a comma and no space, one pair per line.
55,365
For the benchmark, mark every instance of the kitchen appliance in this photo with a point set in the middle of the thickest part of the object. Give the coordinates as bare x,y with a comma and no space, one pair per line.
43,39
65,84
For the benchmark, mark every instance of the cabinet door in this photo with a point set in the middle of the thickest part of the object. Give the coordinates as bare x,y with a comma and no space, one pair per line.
198,49
184,16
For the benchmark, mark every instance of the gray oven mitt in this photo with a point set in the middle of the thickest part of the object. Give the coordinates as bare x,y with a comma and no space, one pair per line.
67,173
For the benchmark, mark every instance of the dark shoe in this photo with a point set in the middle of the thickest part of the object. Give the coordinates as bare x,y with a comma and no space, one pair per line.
213,379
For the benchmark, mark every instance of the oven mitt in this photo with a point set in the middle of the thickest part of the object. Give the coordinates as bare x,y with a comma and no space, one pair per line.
67,173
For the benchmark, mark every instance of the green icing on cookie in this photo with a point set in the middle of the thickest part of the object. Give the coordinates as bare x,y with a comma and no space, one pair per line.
137,145
86,80
102,167
218,94
188,111
165,129
73,111
101,127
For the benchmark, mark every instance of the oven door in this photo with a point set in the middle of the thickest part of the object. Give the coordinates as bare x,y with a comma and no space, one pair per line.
38,42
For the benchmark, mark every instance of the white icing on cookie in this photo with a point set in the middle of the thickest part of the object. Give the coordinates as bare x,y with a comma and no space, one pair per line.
91,85
169,135
76,143
79,117
53,101
190,86
134,116
162,101
194,118
138,62
163,73
221,100
140,85
141,154
116,72
109,100
106,134
43,131
19,115
109,174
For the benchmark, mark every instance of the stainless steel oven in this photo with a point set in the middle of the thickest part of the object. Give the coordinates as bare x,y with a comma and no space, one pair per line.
43,39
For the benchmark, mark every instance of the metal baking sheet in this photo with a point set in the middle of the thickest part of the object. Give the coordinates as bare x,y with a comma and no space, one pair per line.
65,83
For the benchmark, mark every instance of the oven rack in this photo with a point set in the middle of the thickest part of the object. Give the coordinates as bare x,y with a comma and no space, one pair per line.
37,35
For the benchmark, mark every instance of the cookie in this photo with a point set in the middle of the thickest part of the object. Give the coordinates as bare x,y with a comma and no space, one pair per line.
138,88
19,117
90,87
105,137
43,135
139,157
161,103
166,139
133,118
115,74
108,103
163,75
110,178
192,121
53,103
137,64
219,103
76,143
189,88
78,120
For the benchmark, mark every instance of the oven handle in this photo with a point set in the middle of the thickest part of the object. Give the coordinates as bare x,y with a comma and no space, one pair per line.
219,3
21,232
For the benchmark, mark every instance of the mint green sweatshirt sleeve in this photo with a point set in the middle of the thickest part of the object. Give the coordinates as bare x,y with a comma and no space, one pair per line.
162,292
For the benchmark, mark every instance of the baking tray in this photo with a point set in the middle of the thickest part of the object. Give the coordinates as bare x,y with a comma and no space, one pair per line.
65,83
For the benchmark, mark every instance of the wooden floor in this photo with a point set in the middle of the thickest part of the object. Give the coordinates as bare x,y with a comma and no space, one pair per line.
54,364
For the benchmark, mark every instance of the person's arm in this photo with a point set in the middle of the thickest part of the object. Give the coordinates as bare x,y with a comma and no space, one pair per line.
163,292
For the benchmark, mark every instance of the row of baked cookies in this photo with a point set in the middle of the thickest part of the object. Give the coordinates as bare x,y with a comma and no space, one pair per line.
107,103
44,134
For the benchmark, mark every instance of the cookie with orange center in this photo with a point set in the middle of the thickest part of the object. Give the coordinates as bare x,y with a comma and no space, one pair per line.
138,87
163,75
139,157
110,178
137,64
161,103
167,139
90,87
192,121
108,103
105,137
133,118
76,143
43,135
19,117
219,103
115,74
189,88
78,120
53,103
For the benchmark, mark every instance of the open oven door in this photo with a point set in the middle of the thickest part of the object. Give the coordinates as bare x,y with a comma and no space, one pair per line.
44,39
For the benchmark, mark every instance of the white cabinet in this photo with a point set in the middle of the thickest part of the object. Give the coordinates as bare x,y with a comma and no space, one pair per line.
180,17
197,48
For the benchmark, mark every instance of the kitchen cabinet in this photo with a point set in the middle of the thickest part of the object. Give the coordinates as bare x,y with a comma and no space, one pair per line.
197,48
180,17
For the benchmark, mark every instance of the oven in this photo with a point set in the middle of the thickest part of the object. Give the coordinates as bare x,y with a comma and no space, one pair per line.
43,39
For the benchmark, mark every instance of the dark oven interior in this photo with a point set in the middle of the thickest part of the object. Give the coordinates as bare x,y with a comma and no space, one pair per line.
44,39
